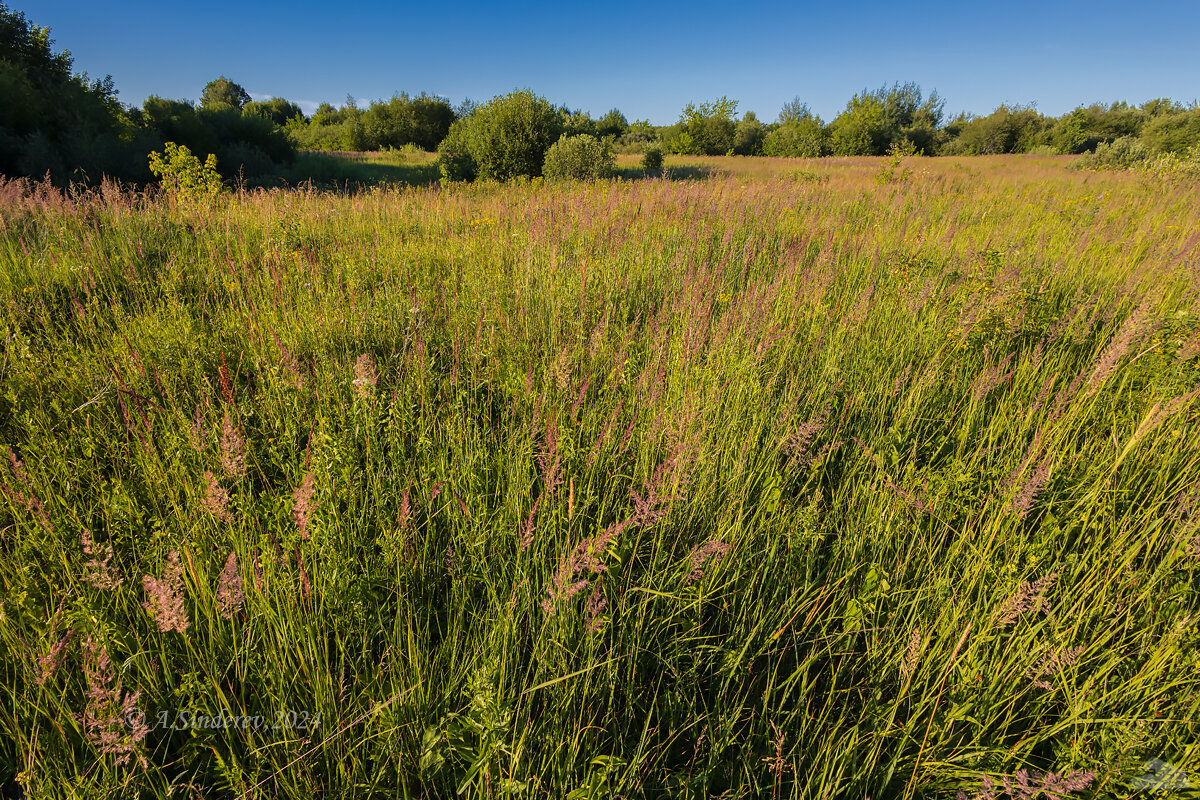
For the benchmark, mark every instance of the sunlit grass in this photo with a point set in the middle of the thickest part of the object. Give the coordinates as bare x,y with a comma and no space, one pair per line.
777,481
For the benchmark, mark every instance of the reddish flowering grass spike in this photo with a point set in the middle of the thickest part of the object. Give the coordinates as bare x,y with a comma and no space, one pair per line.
1056,786
233,449
462,507
289,363
1043,393
796,445
17,466
777,764
1030,596
549,460
305,584
528,386
197,430
986,792
912,654
98,569
579,398
527,534
900,381
1189,349
913,500
454,367
22,494
867,451
258,573
604,434
111,719
1025,499
574,569
216,499
366,376
405,509
595,608
226,382
165,597
435,491
991,377
1132,331
48,664
699,555
303,506
624,444
231,593
1051,665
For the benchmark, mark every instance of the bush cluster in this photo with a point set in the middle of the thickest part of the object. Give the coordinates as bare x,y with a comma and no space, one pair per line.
580,157
505,139
652,159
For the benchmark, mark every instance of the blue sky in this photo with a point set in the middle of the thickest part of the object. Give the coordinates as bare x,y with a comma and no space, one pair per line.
647,60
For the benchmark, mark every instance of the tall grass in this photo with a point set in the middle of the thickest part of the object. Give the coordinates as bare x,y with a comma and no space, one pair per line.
785,481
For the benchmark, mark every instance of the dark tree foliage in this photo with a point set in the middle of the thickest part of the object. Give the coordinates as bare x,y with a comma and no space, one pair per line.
242,142
276,109
57,123
801,134
423,121
224,93
54,121
1087,126
1008,129
612,124
576,122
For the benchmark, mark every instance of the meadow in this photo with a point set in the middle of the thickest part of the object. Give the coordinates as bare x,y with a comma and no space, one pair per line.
833,478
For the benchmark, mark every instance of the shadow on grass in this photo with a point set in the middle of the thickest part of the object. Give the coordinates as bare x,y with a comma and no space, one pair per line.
690,172
354,172
351,172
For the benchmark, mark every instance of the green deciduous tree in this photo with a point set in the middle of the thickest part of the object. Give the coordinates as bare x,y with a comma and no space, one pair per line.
506,138
749,135
1173,133
873,121
54,121
1008,129
1087,126
705,129
276,109
224,93
612,124
248,143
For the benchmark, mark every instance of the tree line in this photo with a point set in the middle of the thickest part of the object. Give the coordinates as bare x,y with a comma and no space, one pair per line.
71,127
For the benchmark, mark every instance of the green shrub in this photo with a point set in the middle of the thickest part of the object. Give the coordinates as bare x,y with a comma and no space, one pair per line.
1175,166
801,138
895,170
183,176
652,161
1173,133
505,139
709,127
454,155
580,157
1126,152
